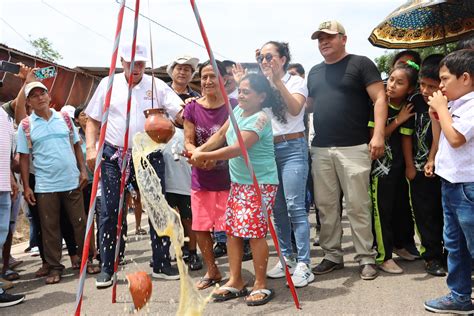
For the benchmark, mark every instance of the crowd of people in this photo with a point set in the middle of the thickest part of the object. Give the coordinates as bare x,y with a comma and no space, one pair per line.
396,155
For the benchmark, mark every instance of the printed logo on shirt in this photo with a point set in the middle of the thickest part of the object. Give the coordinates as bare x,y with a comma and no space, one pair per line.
148,96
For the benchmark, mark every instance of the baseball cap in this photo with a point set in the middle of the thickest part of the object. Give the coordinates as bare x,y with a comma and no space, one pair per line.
30,86
183,60
141,52
329,27
69,110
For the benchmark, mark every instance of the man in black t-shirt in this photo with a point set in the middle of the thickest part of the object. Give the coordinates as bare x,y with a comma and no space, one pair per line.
341,90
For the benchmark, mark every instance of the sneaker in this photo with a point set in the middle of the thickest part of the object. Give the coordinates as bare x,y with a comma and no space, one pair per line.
404,254
10,299
327,266
434,267
390,266
185,251
247,251
449,305
167,273
195,262
278,270
368,271
220,249
302,275
35,252
103,280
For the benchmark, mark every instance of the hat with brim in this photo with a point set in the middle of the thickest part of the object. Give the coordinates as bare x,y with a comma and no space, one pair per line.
33,85
329,27
141,52
183,60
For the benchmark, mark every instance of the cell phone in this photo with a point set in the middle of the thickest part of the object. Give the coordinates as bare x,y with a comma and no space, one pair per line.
9,67
45,73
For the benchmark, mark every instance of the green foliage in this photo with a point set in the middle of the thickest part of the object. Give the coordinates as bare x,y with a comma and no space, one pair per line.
44,49
384,62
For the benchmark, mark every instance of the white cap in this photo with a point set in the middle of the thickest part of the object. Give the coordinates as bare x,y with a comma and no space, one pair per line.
183,60
69,110
141,52
35,84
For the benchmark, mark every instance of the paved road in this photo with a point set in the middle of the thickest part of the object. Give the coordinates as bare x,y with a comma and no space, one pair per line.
341,292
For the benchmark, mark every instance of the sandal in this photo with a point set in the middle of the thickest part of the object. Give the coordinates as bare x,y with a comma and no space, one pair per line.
75,263
43,271
206,282
140,231
53,278
10,275
231,292
92,268
268,295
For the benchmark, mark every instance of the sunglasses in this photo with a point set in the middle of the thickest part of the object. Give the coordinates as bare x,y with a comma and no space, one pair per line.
268,57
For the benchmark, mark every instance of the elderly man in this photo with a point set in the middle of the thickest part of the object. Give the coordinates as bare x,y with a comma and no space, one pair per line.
340,91
142,99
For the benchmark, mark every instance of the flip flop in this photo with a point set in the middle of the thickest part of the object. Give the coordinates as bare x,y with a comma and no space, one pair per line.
231,293
53,278
10,275
269,293
206,282
92,268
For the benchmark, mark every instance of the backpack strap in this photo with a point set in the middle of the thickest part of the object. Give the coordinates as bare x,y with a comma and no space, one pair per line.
25,125
68,121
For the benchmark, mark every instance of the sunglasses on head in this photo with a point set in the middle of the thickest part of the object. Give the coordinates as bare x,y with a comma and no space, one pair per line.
268,57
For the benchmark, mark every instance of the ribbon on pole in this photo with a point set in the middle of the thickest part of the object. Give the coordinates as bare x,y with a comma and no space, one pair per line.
125,156
98,160
244,150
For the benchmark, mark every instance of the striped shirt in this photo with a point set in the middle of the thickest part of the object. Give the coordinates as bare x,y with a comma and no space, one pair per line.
6,138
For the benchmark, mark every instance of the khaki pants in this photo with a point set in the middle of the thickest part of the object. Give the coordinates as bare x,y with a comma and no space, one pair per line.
344,170
49,207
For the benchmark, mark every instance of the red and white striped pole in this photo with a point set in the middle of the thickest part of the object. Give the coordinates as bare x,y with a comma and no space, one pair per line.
103,129
125,159
244,151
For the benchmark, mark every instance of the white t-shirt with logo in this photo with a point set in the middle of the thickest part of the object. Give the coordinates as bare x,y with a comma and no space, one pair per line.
295,124
164,97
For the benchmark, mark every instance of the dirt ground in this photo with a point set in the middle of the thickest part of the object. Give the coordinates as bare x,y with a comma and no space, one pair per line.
22,232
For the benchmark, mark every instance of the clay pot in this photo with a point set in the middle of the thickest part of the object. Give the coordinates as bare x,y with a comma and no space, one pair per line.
139,284
158,126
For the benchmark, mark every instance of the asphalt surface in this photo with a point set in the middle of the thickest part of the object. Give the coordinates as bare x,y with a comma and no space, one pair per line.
340,292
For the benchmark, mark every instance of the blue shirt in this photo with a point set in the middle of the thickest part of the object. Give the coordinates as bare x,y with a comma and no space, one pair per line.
262,154
53,156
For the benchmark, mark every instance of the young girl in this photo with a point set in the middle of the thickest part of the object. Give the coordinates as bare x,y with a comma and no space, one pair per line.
244,216
388,171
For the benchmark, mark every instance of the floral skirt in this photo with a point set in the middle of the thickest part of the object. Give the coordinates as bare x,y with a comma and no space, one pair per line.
244,216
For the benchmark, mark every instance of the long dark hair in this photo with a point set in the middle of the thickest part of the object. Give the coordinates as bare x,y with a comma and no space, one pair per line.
273,99
220,67
283,50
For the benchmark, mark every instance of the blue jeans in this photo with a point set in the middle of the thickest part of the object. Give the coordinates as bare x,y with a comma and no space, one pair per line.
290,209
458,207
5,210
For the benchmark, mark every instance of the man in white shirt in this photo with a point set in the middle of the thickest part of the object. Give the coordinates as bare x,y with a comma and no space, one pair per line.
142,99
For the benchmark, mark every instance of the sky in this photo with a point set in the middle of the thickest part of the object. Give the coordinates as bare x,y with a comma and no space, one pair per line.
83,31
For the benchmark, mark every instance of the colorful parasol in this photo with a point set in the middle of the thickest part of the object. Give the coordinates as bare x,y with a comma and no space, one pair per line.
423,23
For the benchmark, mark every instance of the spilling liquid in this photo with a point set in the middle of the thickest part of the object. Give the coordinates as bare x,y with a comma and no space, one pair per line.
165,220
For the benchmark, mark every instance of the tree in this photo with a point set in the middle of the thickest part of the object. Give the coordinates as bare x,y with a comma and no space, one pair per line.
384,62
44,49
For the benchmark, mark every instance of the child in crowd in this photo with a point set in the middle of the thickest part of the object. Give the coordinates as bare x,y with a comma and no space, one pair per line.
387,172
244,215
419,151
454,163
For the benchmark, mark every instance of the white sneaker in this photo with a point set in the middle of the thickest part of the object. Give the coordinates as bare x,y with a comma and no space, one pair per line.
34,252
278,270
303,275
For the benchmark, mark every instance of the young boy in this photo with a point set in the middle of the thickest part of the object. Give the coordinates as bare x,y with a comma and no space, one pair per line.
59,171
419,150
454,163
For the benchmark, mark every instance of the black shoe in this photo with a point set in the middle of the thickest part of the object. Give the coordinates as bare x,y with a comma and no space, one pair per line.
167,273
327,266
10,299
103,280
185,251
434,267
220,250
195,262
247,251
